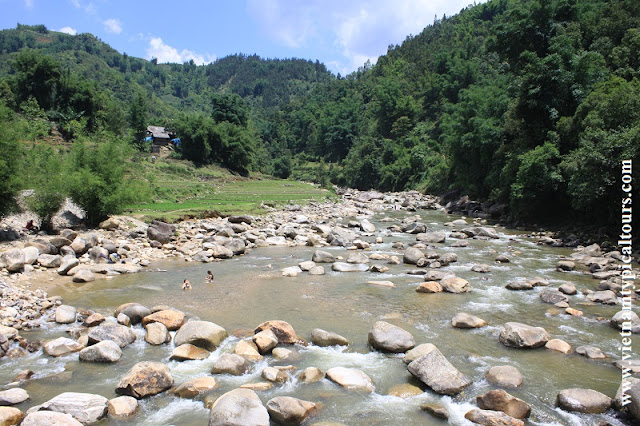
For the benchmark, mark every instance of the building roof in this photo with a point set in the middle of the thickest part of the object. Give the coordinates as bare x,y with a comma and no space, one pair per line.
158,132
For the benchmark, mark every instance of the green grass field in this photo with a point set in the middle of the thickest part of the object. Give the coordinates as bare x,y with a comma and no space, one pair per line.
178,190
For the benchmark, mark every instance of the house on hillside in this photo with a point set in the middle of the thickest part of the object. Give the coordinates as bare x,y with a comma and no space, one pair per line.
158,135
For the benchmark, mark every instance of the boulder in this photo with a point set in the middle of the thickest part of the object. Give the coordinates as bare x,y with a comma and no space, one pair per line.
405,390
435,371
558,346
519,285
79,246
188,352
481,268
464,320
430,287
39,418
565,265
248,350
68,262
390,338
50,260
350,378
120,334
171,318
195,387
265,341
367,226
84,407
65,314
317,270
30,255
282,354
104,351
505,376
287,410
203,334
83,275
240,219
357,257
518,335
307,265
311,375
94,320
455,285
122,407
282,330
291,271
13,396
501,258
480,231
239,407
134,311
321,337
145,379
626,320
568,289
13,260
553,296
591,352
417,352
412,255
10,416
230,364
431,237
98,254
160,231
274,375
320,256
499,400
156,334
237,246
61,346
491,418
583,401
606,297
436,410
349,267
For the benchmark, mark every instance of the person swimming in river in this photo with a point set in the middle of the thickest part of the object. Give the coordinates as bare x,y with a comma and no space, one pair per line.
209,276
186,285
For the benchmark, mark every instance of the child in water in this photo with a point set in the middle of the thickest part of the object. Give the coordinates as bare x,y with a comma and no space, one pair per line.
186,285
209,276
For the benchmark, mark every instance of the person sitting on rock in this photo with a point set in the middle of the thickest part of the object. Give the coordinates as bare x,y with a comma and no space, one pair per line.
31,227
186,285
209,276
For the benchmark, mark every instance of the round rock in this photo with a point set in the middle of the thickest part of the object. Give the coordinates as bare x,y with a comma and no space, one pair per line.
583,401
390,338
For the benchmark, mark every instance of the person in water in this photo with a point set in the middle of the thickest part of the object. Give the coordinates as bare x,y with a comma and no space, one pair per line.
209,276
186,285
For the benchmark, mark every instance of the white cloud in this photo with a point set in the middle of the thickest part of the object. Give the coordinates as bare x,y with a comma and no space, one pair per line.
167,54
68,30
361,29
113,26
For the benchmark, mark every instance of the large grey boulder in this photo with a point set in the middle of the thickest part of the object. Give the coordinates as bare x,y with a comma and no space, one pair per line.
431,237
626,320
65,314
203,334
156,334
171,318
13,396
350,378
160,231
145,379
79,246
195,387
39,418
465,320
68,262
491,418
30,255
13,260
390,338
84,407
188,352
412,255
586,401
455,285
553,296
518,335
230,364
134,311
505,376
286,410
282,330
239,407
61,346
606,297
321,256
83,275
480,231
122,407
120,334
105,351
357,257
499,400
321,337
434,370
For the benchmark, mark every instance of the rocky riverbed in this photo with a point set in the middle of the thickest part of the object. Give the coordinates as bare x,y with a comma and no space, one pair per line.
369,235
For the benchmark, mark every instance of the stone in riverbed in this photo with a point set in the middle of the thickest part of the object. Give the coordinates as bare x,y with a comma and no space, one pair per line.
50,260
417,352
606,297
349,267
105,351
307,265
492,418
321,337
568,289
311,375
565,265
188,352
65,314
287,410
248,350
122,407
171,318
156,334
68,262
357,258
39,418
518,335
195,387
134,311
519,285
13,260
230,364
390,338
239,407
431,237
282,330
430,287
61,346
626,320
10,416
317,270
591,352
203,334
455,285
464,320
84,407
274,375
405,390
13,396
120,334
292,271
436,410
265,341
412,255
145,379
499,400
94,320
583,401
321,256
350,378
558,346
83,275
553,296
367,226
481,268
434,370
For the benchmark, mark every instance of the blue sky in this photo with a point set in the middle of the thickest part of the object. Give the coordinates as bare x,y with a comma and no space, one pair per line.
343,34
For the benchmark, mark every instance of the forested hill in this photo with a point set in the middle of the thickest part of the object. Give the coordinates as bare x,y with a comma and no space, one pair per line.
530,103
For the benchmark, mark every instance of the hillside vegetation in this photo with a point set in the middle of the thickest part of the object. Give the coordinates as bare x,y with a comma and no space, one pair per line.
528,103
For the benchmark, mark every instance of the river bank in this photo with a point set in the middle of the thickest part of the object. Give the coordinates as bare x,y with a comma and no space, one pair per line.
377,236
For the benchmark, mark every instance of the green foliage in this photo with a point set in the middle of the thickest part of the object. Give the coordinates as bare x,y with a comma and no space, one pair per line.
138,119
9,161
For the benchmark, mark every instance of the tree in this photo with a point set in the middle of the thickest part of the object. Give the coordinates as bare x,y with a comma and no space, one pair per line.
9,162
36,75
230,108
138,119
43,174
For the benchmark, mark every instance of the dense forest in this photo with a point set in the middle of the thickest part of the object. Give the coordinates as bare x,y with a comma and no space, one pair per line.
532,104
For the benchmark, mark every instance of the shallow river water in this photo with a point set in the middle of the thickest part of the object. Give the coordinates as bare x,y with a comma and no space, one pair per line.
249,290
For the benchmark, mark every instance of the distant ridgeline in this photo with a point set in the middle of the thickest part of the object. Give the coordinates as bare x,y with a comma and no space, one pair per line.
531,103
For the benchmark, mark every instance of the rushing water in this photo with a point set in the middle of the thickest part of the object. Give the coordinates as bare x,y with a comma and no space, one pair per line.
249,290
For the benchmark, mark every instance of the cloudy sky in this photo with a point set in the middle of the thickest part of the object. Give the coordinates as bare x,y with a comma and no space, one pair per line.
343,34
